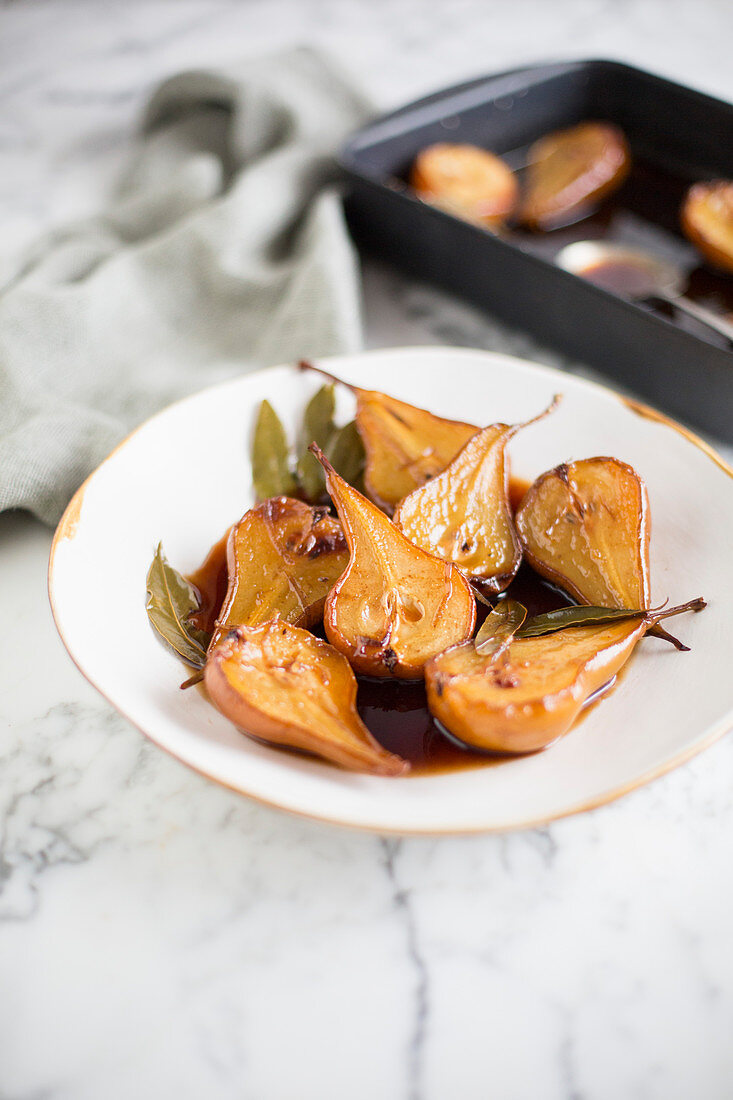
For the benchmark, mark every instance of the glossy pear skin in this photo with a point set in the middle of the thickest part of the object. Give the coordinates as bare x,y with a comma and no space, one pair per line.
707,220
282,558
533,695
463,515
395,606
585,526
282,685
405,446
572,169
467,181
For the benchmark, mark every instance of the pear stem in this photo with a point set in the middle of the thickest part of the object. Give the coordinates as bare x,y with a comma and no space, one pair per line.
659,632
316,451
657,614
305,364
195,679
545,412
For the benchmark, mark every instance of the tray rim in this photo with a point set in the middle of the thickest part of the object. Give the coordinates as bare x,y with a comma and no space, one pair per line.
348,162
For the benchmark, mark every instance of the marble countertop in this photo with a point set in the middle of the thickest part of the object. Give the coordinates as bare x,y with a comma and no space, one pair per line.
161,937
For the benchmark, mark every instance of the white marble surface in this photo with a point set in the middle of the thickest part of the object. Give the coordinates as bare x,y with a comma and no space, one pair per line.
161,937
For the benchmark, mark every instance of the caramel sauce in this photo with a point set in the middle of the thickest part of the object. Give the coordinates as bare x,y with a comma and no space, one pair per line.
210,582
517,490
620,276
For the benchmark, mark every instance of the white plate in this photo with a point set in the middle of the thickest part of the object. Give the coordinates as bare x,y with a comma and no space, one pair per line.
184,476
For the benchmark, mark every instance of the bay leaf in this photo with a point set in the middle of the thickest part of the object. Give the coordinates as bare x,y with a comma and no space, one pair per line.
346,453
318,427
170,602
318,423
565,617
271,471
499,627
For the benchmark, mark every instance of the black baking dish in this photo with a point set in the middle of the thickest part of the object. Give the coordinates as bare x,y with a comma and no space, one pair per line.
677,136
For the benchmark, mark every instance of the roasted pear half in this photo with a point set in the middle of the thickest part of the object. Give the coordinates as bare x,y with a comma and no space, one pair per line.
707,220
283,557
464,515
585,526
571,170
405,446
279,684
533,692
395,606
467,181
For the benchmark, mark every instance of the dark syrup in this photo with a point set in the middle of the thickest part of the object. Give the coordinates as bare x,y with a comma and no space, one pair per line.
621,277
210,581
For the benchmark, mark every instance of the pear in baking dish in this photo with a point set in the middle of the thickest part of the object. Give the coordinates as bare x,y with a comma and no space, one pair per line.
467,181
707,220
570,171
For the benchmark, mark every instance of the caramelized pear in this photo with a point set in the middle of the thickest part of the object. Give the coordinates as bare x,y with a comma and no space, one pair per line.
585,526
467,181
571,170
405,446
534,692
279,684
707,220
395,606
282,559
464,516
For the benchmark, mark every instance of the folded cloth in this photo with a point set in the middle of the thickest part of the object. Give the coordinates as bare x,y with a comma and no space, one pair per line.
225,249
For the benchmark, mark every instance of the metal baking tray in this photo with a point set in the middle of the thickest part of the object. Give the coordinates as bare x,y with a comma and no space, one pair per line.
676,135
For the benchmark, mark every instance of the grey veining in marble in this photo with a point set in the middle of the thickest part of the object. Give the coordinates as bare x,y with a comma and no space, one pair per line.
161,937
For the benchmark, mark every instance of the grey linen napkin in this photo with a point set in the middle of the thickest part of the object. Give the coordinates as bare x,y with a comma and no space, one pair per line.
223,250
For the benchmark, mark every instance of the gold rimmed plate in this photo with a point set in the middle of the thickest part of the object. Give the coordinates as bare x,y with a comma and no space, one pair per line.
184,477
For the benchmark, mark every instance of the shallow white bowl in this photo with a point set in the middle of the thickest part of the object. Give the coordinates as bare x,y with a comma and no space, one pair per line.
184,476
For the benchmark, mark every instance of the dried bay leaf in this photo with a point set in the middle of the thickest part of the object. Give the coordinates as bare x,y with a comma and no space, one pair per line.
318,423
170,602
346,453
271,471
319,427
598,616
